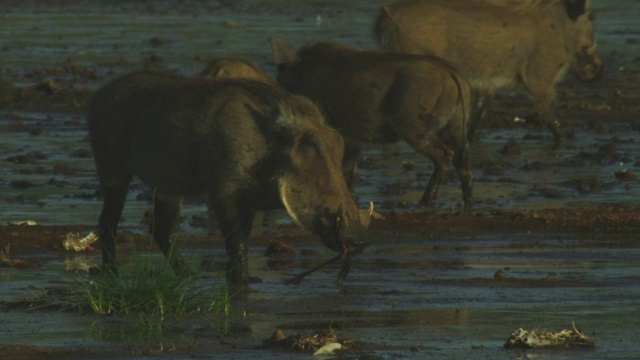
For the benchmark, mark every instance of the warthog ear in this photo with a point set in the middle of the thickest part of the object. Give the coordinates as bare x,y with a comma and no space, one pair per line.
298,108
575,8
283,52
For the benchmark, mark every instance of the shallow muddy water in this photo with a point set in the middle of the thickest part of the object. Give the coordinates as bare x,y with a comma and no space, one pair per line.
410,295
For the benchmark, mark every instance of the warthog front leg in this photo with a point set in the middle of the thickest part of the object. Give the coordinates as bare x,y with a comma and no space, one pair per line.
481,113
349,165
429,144
236,227
545,99
551,118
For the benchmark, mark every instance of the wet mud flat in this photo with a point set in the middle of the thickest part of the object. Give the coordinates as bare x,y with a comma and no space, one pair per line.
433,284
552,238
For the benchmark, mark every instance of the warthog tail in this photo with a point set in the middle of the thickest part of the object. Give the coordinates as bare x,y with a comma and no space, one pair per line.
456,78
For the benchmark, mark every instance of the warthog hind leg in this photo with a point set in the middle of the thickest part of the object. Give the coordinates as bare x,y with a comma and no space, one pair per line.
166,210
441,155
114,199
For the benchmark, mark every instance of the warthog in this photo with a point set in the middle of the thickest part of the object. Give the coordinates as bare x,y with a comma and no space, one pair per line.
498,44
247,144
378,97
224,68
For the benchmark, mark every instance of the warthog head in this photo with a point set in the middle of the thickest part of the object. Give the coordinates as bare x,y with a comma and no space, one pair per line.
312,186
224,68
587,65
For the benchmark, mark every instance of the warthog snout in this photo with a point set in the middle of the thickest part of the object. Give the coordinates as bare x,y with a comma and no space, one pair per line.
588,66
355,238
345,231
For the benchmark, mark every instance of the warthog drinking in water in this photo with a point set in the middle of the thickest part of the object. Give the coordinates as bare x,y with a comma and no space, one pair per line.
499,45
378,97
223,68
247,144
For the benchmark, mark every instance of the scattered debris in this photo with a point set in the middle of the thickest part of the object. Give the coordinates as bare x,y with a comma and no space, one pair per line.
77,243
323,343
7,261
232,24
328,349
536,339
23,223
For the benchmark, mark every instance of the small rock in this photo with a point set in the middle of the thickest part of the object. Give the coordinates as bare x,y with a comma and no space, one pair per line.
408,165
278,247
156,41
46,86
626,175
500,275
63,170
277,335
21,184
510,148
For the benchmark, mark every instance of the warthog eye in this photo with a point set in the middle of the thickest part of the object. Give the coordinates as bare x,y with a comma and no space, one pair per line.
309,146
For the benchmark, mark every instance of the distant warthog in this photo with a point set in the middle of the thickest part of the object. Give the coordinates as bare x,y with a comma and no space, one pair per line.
224,68
499,44
378,97
247,144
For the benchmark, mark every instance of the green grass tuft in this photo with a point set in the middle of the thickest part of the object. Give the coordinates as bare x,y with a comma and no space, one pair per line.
151,290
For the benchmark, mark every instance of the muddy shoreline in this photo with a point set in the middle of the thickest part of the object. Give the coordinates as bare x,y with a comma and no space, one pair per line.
611,220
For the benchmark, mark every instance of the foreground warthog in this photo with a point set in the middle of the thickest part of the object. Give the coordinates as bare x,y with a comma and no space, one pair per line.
248,145
497,44
377,97
224,68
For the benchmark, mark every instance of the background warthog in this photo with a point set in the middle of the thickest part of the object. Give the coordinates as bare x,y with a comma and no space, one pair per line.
496,45
223,68
379,97
249,145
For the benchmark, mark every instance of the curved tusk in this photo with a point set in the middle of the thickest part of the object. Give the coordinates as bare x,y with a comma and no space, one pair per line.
370,208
